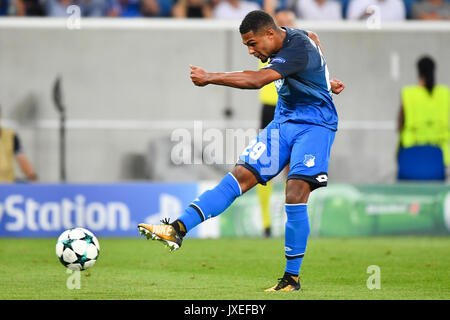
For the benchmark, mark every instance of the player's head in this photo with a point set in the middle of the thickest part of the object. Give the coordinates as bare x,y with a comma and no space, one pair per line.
425,67
260,34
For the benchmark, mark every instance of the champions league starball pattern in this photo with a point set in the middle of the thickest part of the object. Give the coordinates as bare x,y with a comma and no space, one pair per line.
77,249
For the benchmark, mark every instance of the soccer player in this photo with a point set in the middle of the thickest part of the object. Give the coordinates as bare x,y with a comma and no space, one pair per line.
268,97
301,134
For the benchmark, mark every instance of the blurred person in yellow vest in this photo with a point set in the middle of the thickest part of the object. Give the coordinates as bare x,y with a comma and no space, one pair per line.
10,150
268,97
424,115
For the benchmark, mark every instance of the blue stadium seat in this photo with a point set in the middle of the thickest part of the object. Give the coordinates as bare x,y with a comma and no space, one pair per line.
421,163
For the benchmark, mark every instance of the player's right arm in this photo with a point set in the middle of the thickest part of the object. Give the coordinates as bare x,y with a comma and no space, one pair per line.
238,79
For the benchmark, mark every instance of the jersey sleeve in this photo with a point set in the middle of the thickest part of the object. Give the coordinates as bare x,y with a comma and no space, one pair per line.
304,32
291,59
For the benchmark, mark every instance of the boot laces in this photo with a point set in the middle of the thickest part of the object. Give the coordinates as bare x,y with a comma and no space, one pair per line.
165,221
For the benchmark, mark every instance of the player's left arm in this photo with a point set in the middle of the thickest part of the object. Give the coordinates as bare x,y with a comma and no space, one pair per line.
336,86
239,79
314,37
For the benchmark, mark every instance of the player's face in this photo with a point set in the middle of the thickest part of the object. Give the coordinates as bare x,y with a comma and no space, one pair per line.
260,44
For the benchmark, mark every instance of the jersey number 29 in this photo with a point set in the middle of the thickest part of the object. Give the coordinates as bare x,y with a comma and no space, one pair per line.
254,150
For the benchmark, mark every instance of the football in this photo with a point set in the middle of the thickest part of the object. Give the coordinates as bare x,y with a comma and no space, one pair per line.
77,249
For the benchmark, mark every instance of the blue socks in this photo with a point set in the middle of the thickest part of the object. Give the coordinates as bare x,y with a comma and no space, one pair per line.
296,236
211,203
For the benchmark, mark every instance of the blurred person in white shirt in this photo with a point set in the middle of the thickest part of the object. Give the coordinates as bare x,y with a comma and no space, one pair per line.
318,9
234,9
390,10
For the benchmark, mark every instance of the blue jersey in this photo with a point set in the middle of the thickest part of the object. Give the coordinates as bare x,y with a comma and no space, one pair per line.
304,93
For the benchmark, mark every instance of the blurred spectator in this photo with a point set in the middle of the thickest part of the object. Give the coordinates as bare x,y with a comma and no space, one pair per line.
234,9
157,8
93,8
273,6
423,125
57,8
140,8
285,18
390,10
88,8
192,9
318,9
4,5
29,8
408,7
125,8
344,6
431,10
10,149
150,8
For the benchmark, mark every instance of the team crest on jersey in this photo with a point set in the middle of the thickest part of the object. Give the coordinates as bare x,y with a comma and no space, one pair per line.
278,83
309,160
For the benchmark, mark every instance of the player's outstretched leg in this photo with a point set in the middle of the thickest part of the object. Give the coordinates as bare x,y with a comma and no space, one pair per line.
209,204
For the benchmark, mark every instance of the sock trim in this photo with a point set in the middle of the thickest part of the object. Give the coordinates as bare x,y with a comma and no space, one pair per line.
177,226
295,204
198,210
294,256
290,274
240,190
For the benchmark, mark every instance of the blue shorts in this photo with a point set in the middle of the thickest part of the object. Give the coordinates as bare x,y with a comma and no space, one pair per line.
305,147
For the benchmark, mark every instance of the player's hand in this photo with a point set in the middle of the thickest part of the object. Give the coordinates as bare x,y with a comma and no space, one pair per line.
198,76
336,86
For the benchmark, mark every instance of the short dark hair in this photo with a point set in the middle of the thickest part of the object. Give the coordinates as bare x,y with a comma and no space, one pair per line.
256,21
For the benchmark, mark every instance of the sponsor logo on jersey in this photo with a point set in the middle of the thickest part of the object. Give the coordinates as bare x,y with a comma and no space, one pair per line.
278,60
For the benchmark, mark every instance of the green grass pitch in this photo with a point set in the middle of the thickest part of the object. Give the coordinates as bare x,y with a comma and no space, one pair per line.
231,269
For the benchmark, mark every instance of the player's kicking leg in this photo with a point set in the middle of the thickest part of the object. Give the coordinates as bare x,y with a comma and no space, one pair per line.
208,205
